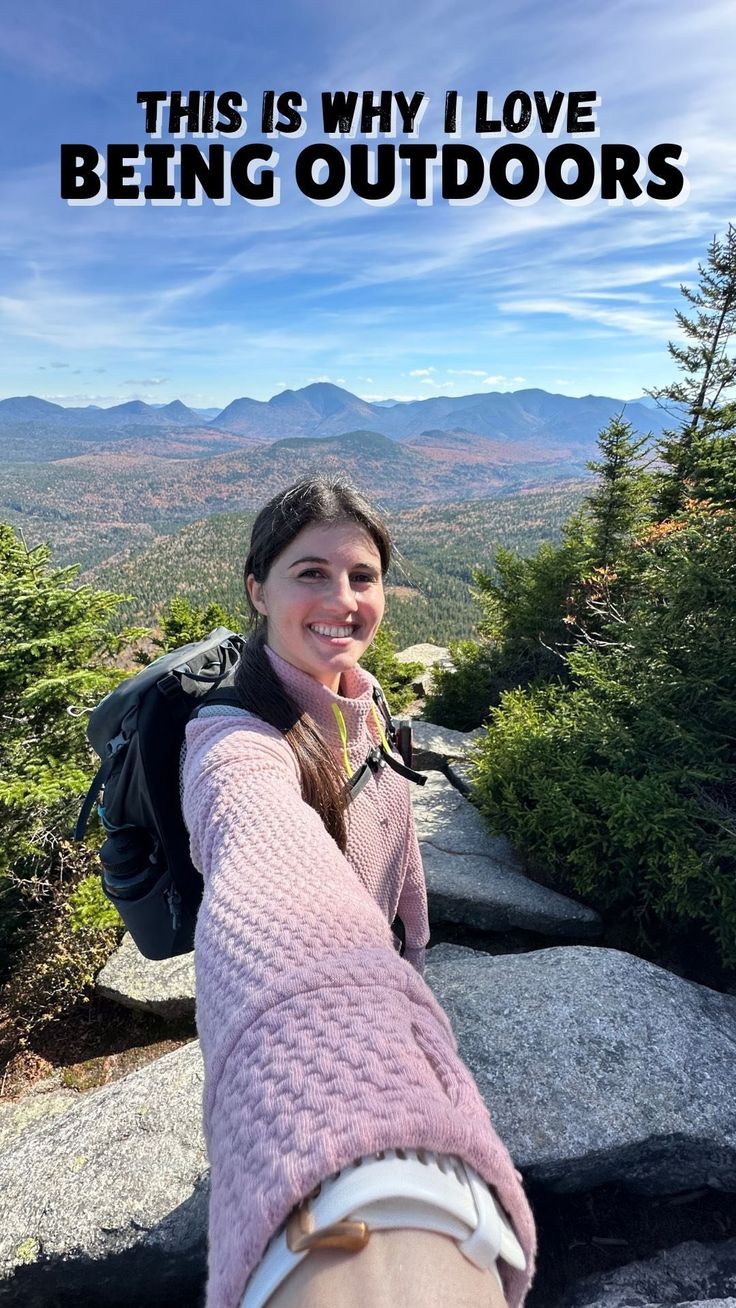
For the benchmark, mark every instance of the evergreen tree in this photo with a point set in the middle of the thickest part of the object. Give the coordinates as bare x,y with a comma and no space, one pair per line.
536,609
699,454
618,780
606,530
617,507
524,607
57,652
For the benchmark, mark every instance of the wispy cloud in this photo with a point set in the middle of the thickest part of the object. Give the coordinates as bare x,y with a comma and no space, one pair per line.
623,319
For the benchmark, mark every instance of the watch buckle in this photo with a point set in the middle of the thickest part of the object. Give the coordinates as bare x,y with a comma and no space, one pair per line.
301,1236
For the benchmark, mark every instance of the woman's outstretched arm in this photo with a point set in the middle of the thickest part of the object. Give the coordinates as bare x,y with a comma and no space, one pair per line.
321,1044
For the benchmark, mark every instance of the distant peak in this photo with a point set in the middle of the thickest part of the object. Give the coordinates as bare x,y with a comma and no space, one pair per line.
328,391
19,406
176,406
131,406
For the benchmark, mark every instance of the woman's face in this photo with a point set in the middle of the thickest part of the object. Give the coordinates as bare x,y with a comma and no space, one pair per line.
323,599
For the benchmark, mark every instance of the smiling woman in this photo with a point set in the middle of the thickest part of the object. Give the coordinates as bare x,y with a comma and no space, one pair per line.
352,1157
323,599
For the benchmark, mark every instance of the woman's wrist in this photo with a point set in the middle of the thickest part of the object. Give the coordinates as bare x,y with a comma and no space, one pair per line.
402,1266
394,1189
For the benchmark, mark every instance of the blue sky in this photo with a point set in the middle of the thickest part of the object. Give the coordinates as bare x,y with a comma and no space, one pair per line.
103,304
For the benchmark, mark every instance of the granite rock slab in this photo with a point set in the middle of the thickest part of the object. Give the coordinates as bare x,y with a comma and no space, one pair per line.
683,1276
164,986
485,894
436,747
475,879
597,1067
39,1104
429,656
447,821
108,1203
426,654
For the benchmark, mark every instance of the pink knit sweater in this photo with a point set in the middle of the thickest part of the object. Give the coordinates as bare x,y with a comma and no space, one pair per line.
320,1043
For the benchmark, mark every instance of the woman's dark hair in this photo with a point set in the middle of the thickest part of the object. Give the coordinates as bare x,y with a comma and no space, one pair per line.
313,501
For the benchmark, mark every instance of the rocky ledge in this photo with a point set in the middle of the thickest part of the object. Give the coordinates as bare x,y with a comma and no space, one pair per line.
595,1066
598,1069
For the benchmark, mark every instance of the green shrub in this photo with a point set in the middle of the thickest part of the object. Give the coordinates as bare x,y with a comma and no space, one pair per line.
524,634
461,696
89,909
622,783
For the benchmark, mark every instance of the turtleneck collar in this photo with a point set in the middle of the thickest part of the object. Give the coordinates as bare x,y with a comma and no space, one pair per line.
354,700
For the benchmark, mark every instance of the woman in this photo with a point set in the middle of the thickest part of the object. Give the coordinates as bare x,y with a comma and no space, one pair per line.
329,1066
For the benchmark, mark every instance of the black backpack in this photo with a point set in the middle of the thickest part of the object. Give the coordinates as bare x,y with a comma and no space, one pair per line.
138,732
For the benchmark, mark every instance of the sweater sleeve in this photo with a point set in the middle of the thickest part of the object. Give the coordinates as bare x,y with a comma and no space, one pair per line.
320,1043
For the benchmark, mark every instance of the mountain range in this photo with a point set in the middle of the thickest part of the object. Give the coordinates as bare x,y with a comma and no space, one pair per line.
90,481
32,429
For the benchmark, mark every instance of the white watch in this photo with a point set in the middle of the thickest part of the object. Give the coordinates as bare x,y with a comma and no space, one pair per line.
395,1188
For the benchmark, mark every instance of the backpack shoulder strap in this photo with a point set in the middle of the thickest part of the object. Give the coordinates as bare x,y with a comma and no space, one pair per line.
90,800
225,697
403,769
380,700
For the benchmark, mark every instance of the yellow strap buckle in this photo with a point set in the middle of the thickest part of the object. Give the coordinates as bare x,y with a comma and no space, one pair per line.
343,732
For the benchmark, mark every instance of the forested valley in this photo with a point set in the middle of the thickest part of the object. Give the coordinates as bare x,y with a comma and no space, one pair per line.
437,546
